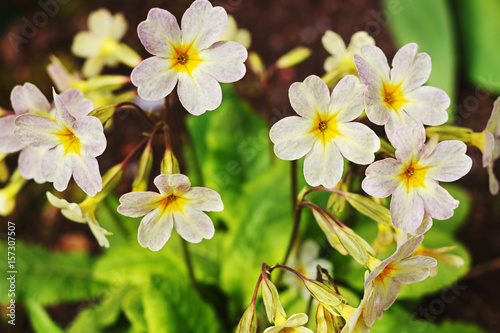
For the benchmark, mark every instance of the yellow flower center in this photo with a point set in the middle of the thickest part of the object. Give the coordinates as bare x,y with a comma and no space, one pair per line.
186,58
108,46
325,128
413,175
393,96
70,141
172,202
478,140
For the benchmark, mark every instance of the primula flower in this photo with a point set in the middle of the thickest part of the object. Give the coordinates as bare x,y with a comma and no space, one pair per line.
488,141
177,204
294,324
232,33
413,178
395,97
191,56
341,59
73,141
387,276
101,46
354,317
323,131
82,213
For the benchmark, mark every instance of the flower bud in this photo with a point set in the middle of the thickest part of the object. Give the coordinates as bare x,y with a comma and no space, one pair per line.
325,295
326,322
4,170
169,164
144,170
271,299
8,193
256,66
294,57
336,202
368,207
248,322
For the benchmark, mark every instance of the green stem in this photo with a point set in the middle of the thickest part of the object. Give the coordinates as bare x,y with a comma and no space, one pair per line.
189,263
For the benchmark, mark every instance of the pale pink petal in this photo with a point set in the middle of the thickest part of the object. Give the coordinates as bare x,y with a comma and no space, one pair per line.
292,137
409,142
135,204
154,78
424,227
488,148
447,162
323,165
382,178
224,61
202,24
391,291
309,97
376,58
29,98
176,184
428,104
357,142
30,164
407,208
78,106
199,92
402,62
414,269
57,167
493,125
378,113
90,132
86,174
347,99
410,68
438,203
36,131
493,182
63,117
62,79
155,229
159,33
204,199
9,143
419,72
295,320
193,225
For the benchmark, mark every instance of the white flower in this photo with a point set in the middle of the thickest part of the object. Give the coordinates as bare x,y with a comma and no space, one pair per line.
324,130
191,56
232,33
395,97
341,58
294,324
177,204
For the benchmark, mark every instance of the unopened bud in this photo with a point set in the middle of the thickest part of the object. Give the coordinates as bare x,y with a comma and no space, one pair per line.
257,66
248,322
326,322
169,164
336,202
271,299
294,57
144,170
325,295
368,207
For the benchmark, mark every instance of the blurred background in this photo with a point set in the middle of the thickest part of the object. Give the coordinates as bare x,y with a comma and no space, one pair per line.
461,36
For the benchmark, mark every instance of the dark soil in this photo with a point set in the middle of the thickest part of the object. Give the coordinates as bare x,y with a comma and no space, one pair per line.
276,27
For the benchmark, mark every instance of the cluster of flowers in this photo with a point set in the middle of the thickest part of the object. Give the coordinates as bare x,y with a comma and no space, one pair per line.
62,139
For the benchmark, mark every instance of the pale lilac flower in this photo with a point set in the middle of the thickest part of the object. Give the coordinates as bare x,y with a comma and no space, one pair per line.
413,178
178,204
324,130
190,56
395,96
387,276
294,324
72,139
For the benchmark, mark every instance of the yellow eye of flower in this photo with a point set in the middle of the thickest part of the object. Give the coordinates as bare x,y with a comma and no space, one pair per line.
393,96
414,175
182,58
326,128
322,126
70,141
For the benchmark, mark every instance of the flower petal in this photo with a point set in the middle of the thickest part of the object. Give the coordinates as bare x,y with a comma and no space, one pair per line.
193,225
292,137
323,165
78,106
155,229
86,174
377,60
347,99
9,143
57,167
334,44
295,320
224,61
90,132
176,184
309,97
410,68
202,25
29,98
36,131
409,142
100,22
199,92
159,33
414,269
357,142
135,204
204,199
30,164
154,78
382,178
70,210
447,162
378,113
63,117
438,203
358,40
86,45
407,208
428,104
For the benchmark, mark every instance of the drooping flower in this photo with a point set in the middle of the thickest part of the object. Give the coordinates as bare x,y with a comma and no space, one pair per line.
191,56
413,178
178,204
355,317
387,276
341,62
232,33
294,324
82,213
71,142
101,46
395,97
324,130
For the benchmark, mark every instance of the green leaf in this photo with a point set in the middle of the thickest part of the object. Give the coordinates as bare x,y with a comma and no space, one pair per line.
40,319
429,24
172,305
134,310
480,32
